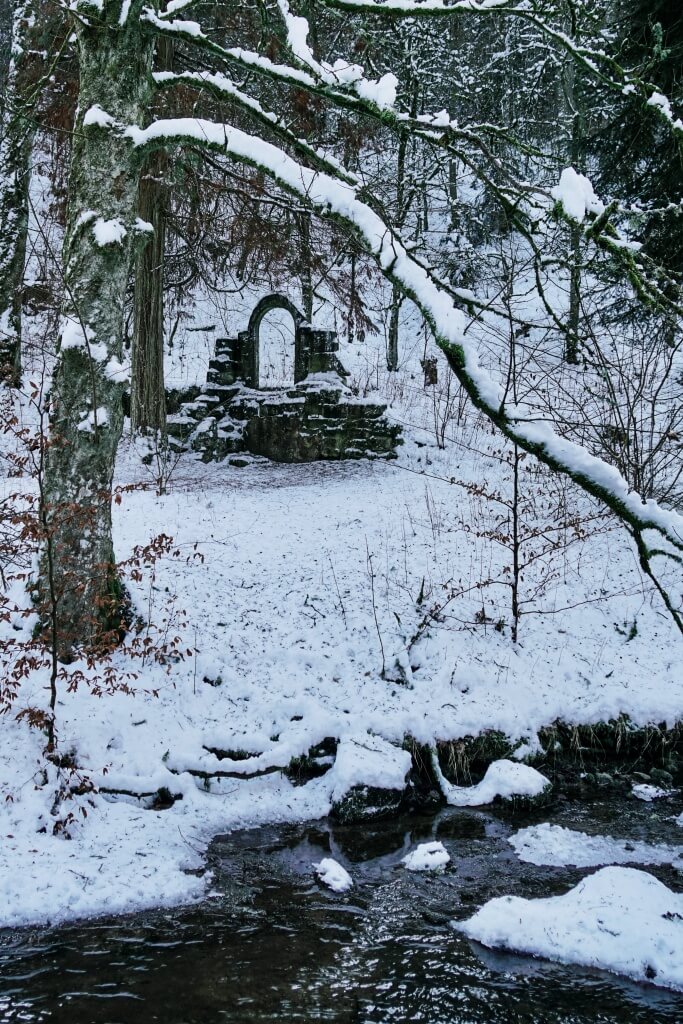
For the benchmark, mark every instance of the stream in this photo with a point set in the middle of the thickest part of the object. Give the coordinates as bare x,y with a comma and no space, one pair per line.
270,944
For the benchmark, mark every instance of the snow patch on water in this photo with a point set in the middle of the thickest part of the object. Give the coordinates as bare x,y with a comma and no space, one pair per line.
618,919
427,857
556,846
644,791
333,875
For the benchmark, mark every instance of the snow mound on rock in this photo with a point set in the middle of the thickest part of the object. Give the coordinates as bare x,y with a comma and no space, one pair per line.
555,846
333,875
427,857
366,760
619,919
505,779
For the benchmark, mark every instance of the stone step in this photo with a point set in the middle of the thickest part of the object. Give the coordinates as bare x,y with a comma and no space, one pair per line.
180,427
221,392
214,377
203,402
226,346
220,363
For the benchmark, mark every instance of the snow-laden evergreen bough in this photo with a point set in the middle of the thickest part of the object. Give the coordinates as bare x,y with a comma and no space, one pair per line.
113,137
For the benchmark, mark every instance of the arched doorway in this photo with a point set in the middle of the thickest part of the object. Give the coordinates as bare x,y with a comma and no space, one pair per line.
276,350
273,360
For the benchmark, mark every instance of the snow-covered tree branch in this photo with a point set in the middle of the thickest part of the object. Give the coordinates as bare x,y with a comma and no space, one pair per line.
111,141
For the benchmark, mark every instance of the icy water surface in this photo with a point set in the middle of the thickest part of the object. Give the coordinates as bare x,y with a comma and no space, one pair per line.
271,945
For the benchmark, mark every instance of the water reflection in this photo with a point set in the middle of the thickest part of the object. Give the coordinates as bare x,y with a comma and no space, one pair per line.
275,947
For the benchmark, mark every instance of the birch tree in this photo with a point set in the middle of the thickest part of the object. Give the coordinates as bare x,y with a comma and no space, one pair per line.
114,136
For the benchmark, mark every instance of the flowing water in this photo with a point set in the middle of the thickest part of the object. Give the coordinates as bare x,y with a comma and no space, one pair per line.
271,945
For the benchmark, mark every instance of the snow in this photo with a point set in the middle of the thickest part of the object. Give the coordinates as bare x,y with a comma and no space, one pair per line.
99,417
5,325
109,232
647,792
505,779
382,92
143,226
366,760
122,857
175,5
662,103
427,857
265,616
85,218
556,846
72,334
619,919
575,194
96,116
333,875
116,370
327,192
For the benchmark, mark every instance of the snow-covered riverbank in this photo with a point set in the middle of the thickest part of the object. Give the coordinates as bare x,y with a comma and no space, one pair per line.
312,577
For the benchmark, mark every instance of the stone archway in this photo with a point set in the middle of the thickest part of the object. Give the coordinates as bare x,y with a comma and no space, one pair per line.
252,340
316,418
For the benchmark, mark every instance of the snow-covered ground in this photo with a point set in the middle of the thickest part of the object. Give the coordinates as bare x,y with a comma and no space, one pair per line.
362,601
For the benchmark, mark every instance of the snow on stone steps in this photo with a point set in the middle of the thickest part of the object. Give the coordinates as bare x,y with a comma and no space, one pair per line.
619,920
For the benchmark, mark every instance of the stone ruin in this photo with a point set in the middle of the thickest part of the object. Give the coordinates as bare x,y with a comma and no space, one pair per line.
316,418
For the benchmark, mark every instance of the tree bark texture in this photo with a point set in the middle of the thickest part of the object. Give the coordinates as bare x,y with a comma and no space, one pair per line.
86,412
148,394
16,142
148,391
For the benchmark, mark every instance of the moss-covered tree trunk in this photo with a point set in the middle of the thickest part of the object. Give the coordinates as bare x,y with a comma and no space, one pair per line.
79,582
16,141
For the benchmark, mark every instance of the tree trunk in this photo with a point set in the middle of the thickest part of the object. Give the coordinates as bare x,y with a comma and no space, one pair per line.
577,161
304,224
148,391
392,340
571,349
86,399
148,394
6,19
16,141
401,213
